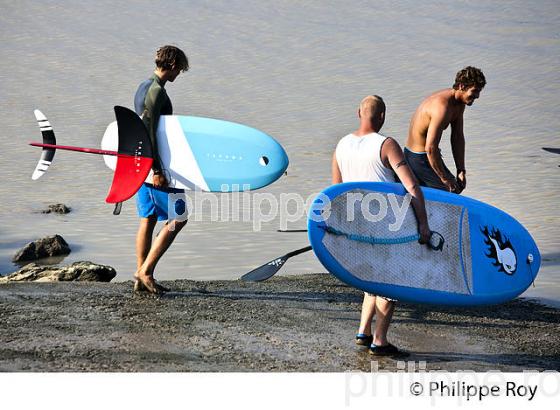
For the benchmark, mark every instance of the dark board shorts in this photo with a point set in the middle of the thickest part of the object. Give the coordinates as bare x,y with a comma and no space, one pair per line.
420,166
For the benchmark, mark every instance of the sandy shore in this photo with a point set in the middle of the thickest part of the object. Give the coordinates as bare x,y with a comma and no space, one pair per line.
291,323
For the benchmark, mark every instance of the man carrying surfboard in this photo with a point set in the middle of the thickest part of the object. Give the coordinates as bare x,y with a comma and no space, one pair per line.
429,121
366,155
150,102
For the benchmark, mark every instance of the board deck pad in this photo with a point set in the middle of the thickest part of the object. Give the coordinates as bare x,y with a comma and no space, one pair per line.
436,270
487,256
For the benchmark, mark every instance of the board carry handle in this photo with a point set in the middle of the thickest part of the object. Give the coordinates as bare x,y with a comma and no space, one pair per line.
435,243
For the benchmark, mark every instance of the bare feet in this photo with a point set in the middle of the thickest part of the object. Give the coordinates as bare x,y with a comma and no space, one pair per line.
146,283
139,287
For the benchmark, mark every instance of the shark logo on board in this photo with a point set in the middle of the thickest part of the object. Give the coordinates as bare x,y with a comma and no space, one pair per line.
500,250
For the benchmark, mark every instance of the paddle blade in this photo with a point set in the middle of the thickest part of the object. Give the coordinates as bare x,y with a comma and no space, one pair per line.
265,271
553,150
47,154
135,156
269,269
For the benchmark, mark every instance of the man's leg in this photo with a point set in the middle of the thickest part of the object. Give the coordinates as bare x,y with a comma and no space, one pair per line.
368,311
364,337
164,239
144,239
143,245
384,309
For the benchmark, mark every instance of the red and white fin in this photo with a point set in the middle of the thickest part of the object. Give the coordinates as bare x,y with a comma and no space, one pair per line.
134,161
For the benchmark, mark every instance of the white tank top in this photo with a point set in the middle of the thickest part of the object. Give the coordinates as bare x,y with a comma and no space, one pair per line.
359,159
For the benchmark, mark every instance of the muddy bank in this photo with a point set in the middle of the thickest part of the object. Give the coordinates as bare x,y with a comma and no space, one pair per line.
303,323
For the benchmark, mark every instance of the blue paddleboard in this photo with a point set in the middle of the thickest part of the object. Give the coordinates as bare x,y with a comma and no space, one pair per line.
211,155
367,237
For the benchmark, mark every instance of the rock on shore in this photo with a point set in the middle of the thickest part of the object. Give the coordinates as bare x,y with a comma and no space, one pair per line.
77,272
42,248
57,209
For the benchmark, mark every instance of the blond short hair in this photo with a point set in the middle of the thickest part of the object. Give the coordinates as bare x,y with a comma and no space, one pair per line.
372,106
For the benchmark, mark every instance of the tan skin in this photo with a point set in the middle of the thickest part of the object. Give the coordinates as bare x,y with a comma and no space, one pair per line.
393,158
433,116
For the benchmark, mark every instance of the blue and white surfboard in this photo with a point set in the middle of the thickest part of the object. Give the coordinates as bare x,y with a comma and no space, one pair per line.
367,237
211,155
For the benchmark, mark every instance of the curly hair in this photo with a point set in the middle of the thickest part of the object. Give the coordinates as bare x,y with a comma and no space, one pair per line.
169,56
469,77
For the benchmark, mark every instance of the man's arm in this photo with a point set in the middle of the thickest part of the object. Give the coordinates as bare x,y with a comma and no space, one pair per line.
392,155
433,138
458,149
335,171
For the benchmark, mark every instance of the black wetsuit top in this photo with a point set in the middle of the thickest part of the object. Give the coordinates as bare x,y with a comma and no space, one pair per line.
150,102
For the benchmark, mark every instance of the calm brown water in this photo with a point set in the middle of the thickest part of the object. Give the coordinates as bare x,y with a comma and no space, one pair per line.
294,70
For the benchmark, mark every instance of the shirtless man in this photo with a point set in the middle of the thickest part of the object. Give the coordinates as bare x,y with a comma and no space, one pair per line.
429,121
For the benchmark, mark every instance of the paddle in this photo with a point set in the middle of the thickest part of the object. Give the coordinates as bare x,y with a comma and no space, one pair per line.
269,269
291,230
553,150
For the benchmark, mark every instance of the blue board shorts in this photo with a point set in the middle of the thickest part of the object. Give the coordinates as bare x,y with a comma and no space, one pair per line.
166,203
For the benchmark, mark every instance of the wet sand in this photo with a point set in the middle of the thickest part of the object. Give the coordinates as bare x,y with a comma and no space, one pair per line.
303,323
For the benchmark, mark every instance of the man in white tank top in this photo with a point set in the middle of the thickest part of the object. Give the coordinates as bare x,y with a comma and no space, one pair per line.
366,155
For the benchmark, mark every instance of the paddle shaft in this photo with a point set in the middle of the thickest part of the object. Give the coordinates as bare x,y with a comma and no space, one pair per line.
297,252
